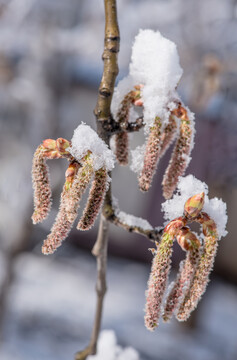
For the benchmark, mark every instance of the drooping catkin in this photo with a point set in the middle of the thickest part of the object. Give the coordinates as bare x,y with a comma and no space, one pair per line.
157,281
159,273
121,139
95,200
41,186
180,155
168,135
152,155
203,269
187,268
69,205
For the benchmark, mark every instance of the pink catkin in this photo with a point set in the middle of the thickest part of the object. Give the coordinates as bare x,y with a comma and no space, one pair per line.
179,158
181,284
203,269
151,156
69,205
121,139
41,186
95,200
157,281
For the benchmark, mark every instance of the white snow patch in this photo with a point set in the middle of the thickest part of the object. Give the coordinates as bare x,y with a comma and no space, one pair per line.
109,350
131,220
154,64
86,139
187,187
137,156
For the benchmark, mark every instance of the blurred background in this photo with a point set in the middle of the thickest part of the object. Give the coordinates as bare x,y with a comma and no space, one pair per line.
50,70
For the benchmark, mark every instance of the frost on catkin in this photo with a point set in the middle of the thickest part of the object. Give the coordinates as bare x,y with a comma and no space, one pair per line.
180,156
152,155
95,200
157,281
121,139
41,186
168,135
69,205
191,244
203,269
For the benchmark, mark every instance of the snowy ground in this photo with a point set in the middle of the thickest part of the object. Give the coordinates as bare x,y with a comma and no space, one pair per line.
51,306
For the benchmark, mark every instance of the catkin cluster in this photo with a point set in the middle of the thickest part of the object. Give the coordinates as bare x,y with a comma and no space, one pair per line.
192,278
180,125
78,175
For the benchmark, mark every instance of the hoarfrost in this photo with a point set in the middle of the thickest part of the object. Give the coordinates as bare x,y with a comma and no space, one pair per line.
86,139
187,187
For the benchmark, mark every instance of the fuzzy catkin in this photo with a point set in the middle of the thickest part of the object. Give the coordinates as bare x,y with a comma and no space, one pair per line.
121,139
180,155
69,205
203,269
95,200
157,281
41,186
152,155
181,284
168,136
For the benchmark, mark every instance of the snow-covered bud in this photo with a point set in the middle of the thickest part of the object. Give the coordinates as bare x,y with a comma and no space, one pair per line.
203,269
151,157
187,239
157,281
194,205
95,200
41,186
180,156
173,227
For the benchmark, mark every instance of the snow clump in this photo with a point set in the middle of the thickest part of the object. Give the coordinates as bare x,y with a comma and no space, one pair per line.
109,350
155,65
187,187
86,139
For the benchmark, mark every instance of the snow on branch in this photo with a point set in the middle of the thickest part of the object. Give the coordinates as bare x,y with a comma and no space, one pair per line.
154,74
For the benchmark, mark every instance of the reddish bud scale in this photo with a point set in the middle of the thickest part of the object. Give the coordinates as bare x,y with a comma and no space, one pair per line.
151,156
187,239
178,162
49,144
62,145
71,173
203,269
41,186
173,227
69,205
157,281
95,200
194,205
121,139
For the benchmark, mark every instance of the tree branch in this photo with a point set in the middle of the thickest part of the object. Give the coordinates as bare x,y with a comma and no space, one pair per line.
103,120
